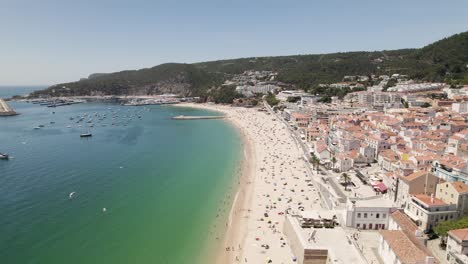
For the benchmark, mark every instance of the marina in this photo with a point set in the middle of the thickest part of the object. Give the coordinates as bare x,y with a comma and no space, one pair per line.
55,102
152,101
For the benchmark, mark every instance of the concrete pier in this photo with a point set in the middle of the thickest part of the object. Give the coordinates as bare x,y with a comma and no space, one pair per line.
5,109
182,117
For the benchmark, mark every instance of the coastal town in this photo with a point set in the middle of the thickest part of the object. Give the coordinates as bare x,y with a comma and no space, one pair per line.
234,132
370,176
366,178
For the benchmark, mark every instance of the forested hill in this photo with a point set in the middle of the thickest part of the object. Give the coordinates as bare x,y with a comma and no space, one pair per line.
175,78
444,60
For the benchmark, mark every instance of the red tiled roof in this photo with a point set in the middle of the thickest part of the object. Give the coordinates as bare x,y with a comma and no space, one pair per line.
460,187
459,234
403,247
415,175
405,223
428,200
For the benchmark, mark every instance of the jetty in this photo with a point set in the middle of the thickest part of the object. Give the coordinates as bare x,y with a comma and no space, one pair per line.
182,117
55,102
5,109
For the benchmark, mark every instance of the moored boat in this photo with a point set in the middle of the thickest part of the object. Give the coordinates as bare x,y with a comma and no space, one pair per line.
86,135
4,156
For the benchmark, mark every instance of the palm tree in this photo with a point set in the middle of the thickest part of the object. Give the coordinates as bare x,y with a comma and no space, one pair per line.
346,179
333,160
315,161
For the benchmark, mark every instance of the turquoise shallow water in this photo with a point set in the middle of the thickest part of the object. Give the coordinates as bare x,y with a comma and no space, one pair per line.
163,183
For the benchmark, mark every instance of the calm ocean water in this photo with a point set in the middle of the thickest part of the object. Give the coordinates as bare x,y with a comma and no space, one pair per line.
164,184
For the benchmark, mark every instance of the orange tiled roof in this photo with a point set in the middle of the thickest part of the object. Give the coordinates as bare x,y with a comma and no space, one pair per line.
403,247
415,175
428,200
404,222
460,234
460,187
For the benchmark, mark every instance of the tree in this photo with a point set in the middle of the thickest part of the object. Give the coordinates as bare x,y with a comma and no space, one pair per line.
315,161
333,160
325,99
225,95
346,179
405,104
271,99
390,83
443,227
426,105
293,99
312,160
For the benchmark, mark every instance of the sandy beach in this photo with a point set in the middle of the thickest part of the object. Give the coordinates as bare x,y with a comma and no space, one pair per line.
274,181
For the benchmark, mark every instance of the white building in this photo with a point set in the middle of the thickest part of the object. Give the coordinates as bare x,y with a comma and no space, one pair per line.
454,193
343,163
457,246
368,214
416,87
319,245
400,221
375,98
460,107
397,248
256,89
428,211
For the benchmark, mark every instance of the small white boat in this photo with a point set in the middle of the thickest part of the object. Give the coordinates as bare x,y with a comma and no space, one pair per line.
71,195
4,156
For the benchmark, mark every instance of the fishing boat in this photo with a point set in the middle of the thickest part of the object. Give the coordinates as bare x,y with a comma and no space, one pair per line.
4,156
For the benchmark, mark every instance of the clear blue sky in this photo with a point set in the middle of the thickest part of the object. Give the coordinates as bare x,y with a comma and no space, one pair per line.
46,42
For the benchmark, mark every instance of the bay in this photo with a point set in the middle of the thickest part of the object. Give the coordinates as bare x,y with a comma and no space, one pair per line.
165,184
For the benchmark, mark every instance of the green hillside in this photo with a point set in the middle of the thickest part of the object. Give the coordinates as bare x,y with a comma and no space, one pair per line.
444,60
177,78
